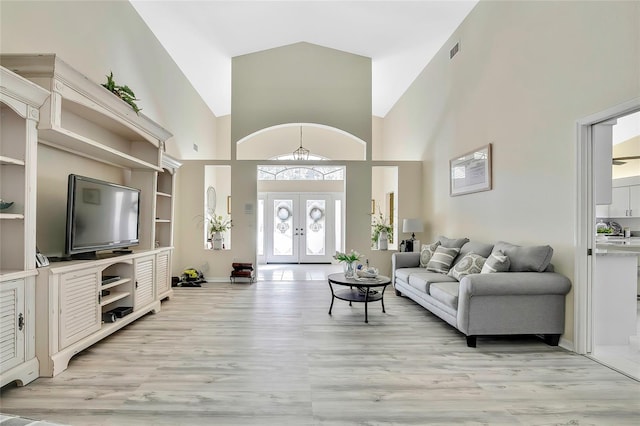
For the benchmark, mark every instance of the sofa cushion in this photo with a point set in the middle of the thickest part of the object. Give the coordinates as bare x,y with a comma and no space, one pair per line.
496,262
442,259
426,253
445,292
526,259
481,249
471,263
423,280
452,242
403,274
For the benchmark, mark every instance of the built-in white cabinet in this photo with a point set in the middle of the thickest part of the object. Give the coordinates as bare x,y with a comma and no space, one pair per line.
165,190
77,302
144,281
625,201
17,332
20,101
163,274
79,305
57,311
11,337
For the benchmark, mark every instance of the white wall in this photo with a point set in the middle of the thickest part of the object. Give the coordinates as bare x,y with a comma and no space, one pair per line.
97,37
301,83
526,71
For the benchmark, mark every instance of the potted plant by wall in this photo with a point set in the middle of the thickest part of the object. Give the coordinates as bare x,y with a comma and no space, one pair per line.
218,225
381,232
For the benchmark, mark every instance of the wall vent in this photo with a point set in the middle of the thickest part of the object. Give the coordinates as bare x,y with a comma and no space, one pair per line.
454,50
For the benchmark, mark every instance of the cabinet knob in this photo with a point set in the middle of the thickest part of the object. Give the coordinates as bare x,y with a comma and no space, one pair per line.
20,322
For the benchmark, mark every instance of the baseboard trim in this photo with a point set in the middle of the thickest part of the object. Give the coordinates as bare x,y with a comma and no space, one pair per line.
566,344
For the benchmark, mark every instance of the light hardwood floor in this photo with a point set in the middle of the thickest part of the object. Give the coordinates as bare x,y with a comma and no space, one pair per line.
269,354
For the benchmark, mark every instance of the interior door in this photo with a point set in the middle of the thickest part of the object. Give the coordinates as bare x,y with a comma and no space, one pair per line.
299,228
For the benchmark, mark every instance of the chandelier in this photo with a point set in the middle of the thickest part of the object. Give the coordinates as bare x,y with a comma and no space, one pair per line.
301,153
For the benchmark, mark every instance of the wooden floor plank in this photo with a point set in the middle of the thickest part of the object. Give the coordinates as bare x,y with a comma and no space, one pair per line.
269,354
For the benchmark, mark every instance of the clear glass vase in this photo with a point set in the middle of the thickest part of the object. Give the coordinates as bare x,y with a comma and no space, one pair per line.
349,269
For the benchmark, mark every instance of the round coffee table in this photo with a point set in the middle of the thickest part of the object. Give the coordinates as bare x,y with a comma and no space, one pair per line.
360,290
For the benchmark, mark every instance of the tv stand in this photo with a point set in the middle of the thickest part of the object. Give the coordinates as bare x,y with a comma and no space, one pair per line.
74,295
123,251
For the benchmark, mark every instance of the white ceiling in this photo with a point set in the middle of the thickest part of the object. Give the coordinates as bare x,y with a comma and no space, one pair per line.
400,37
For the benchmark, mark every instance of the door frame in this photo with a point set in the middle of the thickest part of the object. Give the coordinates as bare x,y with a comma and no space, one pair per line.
585,222
299,216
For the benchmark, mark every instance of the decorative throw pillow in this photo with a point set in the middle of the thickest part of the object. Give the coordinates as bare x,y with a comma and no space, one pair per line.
497,262
471,263
452,242
442,259
526,259
427,252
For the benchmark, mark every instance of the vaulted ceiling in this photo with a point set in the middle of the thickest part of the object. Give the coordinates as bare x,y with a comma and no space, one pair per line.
400,37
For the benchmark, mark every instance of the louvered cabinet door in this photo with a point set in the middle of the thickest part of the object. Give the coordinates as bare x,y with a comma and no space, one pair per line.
163,278
80,313
12,327
144,278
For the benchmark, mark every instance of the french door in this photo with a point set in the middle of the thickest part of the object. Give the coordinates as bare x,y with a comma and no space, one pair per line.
299,228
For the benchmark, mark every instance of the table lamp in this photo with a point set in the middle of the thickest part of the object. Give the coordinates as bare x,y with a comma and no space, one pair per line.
413,226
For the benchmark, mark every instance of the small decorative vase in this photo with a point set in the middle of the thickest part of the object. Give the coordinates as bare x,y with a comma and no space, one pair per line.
349,269
383,241
217,240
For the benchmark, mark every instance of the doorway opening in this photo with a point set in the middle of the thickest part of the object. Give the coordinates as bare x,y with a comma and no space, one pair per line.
300,227
300,213
602,291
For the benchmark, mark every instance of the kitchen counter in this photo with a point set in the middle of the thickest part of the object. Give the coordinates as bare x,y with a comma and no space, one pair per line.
618,243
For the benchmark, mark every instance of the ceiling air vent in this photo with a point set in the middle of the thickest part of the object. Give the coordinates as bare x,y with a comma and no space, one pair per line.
454,50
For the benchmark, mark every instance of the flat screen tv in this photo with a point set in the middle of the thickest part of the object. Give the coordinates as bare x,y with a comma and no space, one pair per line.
100,216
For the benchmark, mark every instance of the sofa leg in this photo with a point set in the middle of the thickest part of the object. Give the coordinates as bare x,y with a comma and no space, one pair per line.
398,293
471,341
552,339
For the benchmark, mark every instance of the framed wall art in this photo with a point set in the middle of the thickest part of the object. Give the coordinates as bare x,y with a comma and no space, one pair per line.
471,172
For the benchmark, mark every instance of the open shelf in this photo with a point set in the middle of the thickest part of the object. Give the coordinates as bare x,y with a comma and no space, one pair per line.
115,283
9,160
81,145
11,216
106,300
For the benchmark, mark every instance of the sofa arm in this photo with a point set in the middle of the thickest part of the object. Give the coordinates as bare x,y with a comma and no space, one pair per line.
514,283
403,260
512,303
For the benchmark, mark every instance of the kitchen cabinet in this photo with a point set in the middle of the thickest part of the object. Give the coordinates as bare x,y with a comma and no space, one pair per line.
625,201
614,297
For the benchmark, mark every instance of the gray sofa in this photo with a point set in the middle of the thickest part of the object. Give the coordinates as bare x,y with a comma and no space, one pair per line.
527,298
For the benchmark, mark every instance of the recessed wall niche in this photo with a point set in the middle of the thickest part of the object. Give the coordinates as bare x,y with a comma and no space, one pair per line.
217,207
384,196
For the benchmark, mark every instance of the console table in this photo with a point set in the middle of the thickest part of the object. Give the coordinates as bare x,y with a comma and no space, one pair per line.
360,290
